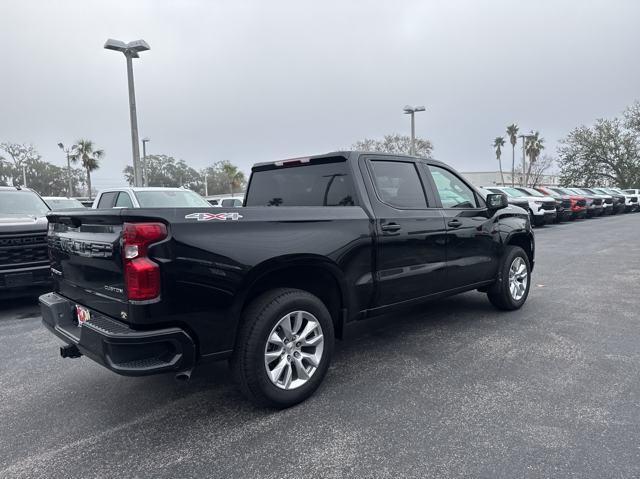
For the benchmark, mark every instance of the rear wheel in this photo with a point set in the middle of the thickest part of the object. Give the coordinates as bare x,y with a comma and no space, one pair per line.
511,289
284,348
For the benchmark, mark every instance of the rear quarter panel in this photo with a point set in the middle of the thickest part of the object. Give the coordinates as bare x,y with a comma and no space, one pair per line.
210,263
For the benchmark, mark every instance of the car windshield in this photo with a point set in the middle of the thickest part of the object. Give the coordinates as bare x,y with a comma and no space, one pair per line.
16,202
63,203
629,192
484,192
170,199
532,192
513,192
600,191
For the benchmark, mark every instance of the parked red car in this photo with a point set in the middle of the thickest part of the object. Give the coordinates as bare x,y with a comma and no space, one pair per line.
578,203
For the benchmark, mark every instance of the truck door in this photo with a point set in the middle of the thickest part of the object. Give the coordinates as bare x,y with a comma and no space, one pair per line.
411,232
472,244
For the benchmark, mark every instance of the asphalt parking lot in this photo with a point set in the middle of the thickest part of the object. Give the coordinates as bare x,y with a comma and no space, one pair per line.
454,389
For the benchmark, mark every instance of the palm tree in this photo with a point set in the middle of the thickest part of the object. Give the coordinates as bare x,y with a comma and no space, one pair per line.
85,153
533,148
498,143
233,176
512,131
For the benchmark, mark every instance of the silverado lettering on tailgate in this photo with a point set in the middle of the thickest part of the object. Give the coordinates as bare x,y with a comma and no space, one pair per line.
91,249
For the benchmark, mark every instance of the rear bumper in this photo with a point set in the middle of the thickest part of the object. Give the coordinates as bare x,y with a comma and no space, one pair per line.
115,345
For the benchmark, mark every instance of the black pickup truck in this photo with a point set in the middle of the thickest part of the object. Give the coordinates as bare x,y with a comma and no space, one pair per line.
321,242
24,263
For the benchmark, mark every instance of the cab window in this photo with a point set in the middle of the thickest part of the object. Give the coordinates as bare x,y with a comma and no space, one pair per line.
124,201
453,192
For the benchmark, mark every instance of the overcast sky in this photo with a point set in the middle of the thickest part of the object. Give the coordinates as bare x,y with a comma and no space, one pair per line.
251,81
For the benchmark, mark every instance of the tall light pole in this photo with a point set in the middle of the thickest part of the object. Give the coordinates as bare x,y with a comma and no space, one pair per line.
131,51
69,185
145,180
411,110
524,160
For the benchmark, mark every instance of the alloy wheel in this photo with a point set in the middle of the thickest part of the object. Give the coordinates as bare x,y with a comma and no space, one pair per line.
293,350
518,278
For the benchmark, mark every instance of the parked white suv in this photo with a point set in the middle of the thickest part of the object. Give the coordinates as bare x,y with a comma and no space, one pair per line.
542,209
630,199
149,197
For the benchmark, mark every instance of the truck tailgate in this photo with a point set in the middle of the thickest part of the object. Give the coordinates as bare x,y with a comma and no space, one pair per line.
86,259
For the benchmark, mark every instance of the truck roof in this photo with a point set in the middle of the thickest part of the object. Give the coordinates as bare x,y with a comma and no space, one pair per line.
346,154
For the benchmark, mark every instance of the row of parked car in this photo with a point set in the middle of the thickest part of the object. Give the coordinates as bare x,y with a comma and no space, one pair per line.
552,204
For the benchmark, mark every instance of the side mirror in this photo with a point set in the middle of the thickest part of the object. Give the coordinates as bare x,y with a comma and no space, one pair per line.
496,201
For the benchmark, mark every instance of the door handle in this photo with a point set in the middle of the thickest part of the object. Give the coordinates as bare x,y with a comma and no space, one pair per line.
391,227
455,223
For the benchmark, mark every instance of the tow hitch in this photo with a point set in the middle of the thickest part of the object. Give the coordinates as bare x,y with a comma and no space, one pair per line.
70,351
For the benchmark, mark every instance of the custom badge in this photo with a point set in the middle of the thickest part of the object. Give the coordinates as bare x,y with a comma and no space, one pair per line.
214,216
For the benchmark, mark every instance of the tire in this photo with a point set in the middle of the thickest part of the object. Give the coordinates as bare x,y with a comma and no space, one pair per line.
266,315
500,294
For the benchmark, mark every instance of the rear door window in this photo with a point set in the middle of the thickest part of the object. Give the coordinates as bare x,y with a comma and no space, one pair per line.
398,184
324,184
107,200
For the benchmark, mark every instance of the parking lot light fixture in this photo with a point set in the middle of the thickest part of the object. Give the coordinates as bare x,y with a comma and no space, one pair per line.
412,110
145,180
131,51
524,160
69,185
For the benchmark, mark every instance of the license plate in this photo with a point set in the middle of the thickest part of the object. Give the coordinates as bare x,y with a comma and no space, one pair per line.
82,314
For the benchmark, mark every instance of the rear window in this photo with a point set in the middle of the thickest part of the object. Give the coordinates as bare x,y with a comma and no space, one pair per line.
326,184
170,199
15,202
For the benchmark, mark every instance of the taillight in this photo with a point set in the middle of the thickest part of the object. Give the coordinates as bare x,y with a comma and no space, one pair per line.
141,275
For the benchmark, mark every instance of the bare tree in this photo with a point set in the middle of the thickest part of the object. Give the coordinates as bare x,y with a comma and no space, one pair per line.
15,157
395,143
539,169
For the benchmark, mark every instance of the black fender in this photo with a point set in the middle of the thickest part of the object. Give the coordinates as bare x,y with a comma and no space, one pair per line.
280,263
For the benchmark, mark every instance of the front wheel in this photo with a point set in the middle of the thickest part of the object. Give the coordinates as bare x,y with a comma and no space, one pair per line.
284,348
511,289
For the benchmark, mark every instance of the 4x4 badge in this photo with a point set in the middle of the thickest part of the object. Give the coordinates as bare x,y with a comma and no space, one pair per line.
214,216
